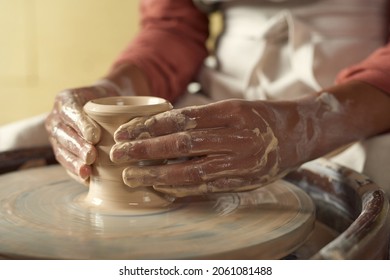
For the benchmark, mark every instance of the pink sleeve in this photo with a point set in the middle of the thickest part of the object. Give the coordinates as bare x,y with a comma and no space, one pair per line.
170,47
374,70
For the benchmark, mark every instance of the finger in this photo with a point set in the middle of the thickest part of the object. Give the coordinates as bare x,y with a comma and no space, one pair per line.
207,116
73,115
191,172
68,139
83,124
218,186
70,162
160,124
182,144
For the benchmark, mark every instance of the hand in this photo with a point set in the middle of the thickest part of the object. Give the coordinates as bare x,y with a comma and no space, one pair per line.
72,133
230,146
237,145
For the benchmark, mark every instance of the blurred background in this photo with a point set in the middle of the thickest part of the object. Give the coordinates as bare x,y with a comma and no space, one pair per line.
47,46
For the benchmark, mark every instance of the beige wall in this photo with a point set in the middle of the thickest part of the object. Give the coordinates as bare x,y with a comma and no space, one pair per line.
50,45
46,46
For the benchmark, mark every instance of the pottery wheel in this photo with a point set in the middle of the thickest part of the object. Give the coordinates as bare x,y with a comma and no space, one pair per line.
42,215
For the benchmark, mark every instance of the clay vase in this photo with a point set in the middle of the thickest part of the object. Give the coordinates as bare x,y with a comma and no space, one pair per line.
106,188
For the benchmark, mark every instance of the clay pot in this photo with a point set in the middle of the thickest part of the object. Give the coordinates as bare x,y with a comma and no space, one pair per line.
106,189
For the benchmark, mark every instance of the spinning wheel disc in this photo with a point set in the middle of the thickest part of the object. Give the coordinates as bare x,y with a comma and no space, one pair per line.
42,215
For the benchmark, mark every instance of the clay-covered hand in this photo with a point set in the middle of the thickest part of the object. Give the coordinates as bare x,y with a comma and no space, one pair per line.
226,146
72,133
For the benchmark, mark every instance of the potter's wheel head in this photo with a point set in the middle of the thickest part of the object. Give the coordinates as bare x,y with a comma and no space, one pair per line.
42,215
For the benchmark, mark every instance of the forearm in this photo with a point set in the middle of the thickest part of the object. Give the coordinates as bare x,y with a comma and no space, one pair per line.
373,70
129,79
320,123
168,51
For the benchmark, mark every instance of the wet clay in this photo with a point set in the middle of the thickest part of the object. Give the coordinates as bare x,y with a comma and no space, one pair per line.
43,215
106,188
223,155
309,127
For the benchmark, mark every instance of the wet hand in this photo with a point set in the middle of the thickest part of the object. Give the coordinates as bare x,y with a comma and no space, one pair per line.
221,147
72,133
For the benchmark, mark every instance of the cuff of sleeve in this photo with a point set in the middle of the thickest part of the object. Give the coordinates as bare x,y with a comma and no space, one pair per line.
373,77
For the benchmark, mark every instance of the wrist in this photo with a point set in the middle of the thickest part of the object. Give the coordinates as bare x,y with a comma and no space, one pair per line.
110,87
129,79
285,122
322,124
311,127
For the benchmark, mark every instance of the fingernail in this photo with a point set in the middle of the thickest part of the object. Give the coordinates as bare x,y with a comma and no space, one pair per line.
89,156
133,181
118,153
84,171
137,177
91,133
121,136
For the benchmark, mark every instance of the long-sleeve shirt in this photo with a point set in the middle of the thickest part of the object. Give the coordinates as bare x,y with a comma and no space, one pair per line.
374,70
170,49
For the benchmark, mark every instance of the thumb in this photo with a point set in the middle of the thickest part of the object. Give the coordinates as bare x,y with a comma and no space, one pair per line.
88,129
74,115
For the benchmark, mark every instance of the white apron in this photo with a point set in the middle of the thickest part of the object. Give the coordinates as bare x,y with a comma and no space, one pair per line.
283,49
